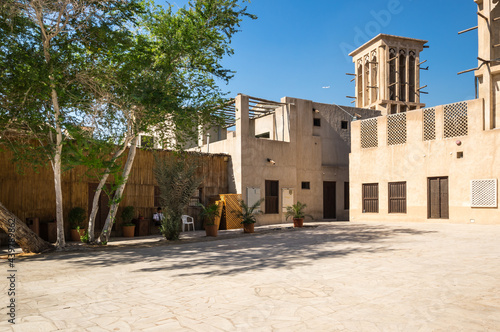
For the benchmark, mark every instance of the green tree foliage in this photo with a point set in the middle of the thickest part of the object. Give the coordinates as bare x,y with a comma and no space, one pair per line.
176,177
118,67
50,55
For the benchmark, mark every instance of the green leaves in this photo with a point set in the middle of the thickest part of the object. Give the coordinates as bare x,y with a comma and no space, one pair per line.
296,211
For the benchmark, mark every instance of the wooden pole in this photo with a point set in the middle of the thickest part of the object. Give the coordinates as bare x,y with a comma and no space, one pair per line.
467,30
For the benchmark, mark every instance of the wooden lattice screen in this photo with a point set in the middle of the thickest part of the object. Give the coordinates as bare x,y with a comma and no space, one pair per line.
231,204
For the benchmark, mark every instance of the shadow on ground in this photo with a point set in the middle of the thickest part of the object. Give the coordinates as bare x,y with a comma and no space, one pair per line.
282,248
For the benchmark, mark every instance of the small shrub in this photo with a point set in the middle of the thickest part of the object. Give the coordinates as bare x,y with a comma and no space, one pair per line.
128,215
77,217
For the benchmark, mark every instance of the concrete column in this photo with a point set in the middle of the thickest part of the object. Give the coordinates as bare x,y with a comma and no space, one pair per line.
355,136
414,126
439,122
382,131
417,75
485,52
242,132
382,73
407,75
475,115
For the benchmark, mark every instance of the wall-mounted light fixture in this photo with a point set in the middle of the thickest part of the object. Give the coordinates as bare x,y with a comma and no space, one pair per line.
272,162
459,142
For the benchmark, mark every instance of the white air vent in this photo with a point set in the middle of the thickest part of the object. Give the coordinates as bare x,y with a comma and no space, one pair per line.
484,193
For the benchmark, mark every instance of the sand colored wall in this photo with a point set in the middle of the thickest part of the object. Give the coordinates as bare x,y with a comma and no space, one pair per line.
301,152
417,160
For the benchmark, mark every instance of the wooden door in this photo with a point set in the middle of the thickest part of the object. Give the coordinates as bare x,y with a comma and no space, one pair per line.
329,200
438,201
272,197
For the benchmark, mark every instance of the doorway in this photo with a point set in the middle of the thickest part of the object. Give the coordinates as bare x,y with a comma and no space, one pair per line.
437,198
329,200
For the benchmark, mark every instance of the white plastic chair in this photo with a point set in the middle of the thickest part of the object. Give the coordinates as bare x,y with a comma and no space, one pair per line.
186,222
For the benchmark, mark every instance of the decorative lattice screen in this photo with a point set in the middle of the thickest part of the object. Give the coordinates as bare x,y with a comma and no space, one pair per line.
484,193
231,205
455,120
429,124
396,129
369,137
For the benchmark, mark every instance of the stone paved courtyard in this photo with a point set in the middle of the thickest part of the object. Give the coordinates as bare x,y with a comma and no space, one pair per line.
334,277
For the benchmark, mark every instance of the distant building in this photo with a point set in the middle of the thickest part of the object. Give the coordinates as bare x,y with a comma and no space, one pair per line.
434,164
288,151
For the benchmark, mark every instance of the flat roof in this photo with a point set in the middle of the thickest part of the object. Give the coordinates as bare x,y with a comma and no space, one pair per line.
382,36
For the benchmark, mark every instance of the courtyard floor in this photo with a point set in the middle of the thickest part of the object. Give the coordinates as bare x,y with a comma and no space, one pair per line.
333,277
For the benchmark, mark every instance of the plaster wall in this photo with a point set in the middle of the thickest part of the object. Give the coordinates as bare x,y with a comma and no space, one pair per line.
307,154
417,160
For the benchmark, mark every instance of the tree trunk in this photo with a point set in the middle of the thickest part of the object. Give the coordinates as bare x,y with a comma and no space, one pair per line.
24,237
106,231
102,183
56,167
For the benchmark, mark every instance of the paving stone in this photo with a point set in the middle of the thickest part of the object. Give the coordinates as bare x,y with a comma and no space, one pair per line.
335,277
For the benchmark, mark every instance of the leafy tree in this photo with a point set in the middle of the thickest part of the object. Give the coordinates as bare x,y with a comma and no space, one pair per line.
120,67
168,77
176,177
50,56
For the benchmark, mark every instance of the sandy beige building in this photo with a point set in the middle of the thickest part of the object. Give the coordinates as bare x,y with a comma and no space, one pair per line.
440,163
387,74
288,151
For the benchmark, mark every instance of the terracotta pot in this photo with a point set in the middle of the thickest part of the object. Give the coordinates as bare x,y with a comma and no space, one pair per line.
298,222
248,228
75,234
128,231
211,230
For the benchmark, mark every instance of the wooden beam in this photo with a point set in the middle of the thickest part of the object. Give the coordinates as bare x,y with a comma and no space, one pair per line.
421,63
423,87
350,74
467,30
267,101
350,97
482,15
466,71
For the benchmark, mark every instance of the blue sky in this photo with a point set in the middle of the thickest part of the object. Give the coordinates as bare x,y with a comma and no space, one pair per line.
296,47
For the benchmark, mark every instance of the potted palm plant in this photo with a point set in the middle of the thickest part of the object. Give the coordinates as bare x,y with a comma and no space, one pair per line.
209,213
248,215
76,219
128,226
296,211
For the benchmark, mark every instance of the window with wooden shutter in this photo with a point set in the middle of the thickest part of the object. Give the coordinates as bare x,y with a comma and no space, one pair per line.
397,197
370,198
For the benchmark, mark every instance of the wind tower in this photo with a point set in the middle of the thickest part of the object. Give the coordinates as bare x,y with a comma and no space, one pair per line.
488,71
387,74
